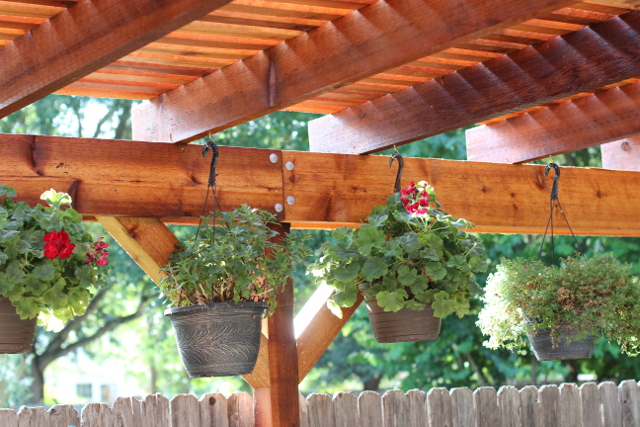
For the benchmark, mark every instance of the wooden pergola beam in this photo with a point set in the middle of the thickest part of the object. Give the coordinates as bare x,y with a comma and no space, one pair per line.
584,122
83,38
623,154
577,62
377,37
321,191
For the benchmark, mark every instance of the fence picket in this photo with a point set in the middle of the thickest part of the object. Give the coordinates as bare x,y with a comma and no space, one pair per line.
439,407
63,416
591,405
370,409
529,407
628,396
611,411
33,417
184,411
213,410
570,405
320,410
345,409
549,400
155,411
463,414
96,415
126,412
394,409
8,418
304,417
416,402
509,404
485,401
240,410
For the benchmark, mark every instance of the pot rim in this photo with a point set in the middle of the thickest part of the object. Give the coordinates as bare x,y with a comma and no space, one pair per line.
215,306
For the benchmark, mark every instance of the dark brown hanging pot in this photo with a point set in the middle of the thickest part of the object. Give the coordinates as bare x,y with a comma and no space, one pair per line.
16,335
544,349
220,339
404,325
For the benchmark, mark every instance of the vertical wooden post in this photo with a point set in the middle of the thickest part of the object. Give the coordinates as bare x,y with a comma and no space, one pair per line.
283,363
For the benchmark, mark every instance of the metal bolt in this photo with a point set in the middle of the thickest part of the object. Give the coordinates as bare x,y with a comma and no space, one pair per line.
625,146
289,166
273,158
278,207
291,200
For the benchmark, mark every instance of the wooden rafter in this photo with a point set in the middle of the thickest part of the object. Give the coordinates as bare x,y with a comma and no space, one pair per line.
585,122
377,37
321,191
83,38
623,154
577,62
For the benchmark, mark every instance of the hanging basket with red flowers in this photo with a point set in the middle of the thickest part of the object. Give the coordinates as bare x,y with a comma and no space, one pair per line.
49,264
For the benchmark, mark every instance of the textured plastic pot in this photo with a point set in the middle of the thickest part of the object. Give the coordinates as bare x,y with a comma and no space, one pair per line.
543,349
218,340
16,335
402,326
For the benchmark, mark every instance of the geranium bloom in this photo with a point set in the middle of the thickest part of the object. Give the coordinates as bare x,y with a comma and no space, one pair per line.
58,245
416,198
99,254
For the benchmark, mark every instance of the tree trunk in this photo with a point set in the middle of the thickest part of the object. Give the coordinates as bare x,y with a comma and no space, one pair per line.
37,386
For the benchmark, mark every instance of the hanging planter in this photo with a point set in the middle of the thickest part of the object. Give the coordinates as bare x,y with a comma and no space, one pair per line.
16,335
572,304
221,280
410,261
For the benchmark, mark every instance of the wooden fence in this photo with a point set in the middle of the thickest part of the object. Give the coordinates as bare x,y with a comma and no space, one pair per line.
590,405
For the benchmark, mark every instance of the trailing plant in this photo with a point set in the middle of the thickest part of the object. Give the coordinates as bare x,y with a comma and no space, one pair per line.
408,254
586,296
237,260
49,265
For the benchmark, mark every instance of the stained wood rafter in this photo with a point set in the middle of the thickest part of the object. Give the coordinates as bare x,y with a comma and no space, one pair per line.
291,72
578,62
83,38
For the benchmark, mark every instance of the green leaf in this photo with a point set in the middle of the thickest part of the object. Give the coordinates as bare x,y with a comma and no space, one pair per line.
442,304
391,301
431,240
435,270
14,273
345,299
420,285
348,273
334,308
26,308
374,268
407,276
44,272
368,237
414,305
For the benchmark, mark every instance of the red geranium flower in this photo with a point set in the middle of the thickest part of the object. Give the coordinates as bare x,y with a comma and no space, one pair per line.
58,245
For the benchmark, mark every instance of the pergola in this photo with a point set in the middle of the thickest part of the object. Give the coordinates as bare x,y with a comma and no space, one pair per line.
542,77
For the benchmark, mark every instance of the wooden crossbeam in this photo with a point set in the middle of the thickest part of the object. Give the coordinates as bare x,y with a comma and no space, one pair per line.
83,38
321,191
377,37
577,62
623,154
585,122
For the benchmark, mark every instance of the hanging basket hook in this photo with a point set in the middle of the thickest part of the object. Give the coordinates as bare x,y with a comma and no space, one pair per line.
214,161
398,184
556,179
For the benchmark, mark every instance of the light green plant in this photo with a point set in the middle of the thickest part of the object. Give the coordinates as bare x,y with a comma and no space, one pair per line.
585,296
234,261
409,254
49,265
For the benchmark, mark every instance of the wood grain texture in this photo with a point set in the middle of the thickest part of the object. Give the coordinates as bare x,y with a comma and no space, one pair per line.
585,122
62,416
591,405
394,408
440,407
571,404
498,198
509,403
262,406
155,411
8,418
320,410
126,412
347,49
283,355
240,410
623,154
213,410
529,407
487,411
345,409
463,414
32,416
184,411
83,38
628,396
303,411
417,415
611,410
370,408
549,398
564,66
96,415
323,328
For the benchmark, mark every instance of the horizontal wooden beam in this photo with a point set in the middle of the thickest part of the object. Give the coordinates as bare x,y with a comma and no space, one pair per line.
341,189
365,42
577,62
623,154
115,178
83,38
108,177
584,122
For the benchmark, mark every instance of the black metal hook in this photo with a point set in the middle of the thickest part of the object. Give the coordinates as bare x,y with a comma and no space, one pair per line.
214,161
554,189
398,184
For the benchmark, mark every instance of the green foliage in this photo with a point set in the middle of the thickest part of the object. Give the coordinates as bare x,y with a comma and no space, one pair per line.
40,282
404,260
235,261
587,296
